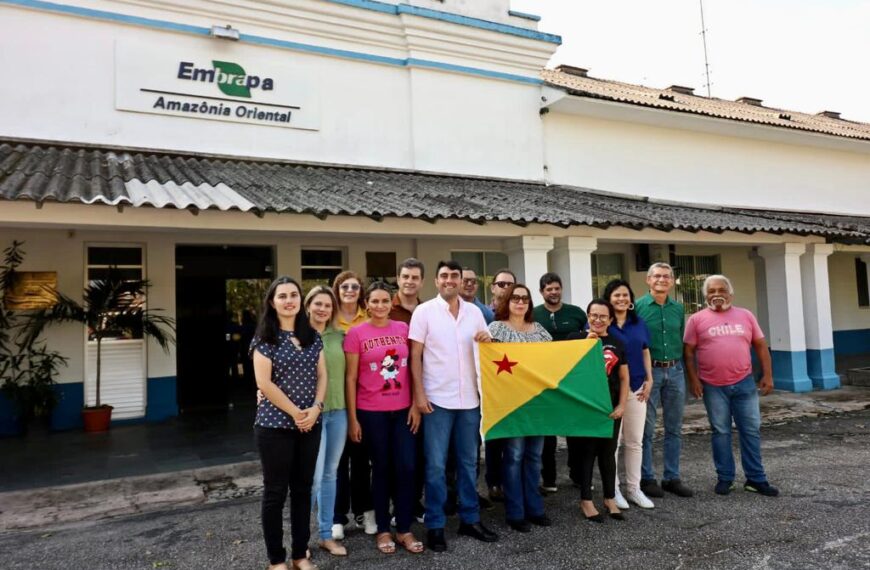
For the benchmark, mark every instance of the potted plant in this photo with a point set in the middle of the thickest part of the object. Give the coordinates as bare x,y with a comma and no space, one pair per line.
111,307
27,367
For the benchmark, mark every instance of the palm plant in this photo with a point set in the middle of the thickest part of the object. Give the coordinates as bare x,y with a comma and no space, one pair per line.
27,367
110,307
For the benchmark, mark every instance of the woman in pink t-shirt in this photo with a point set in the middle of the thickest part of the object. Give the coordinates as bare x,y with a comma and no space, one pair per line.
380,413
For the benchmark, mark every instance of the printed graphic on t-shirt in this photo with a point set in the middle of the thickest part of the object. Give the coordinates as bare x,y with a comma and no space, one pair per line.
726,329
610,359
390,369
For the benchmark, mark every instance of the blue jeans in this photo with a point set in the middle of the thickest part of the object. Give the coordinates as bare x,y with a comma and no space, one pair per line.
332,440
669,388
521,476
462,427
393,449
738,401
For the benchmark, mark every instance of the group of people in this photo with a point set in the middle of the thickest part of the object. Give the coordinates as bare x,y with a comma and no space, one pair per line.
369,402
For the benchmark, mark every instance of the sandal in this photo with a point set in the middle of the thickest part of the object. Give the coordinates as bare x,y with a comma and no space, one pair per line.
410,542
333,547
385,543
304,564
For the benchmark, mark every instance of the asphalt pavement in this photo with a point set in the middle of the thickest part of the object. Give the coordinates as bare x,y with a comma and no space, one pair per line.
819,521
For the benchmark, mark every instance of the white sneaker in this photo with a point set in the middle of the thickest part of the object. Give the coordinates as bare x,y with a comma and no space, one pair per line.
338,532
369,523
621,503
637,497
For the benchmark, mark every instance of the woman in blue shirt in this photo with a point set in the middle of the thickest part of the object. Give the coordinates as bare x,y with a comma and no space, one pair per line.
632,331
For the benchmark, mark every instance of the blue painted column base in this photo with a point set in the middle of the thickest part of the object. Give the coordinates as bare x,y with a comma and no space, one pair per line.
70,401
790,371
821,369
162,399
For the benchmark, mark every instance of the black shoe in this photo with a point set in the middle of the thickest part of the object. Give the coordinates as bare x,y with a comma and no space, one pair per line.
540,520
761,487
614,515
650,488
599,518
435,540
520,525
478,531
676,487
724,487
484,503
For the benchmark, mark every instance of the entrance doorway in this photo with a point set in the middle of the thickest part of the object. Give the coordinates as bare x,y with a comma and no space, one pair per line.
218,294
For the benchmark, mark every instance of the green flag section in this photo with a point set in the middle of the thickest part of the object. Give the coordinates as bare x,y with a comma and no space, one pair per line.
544,388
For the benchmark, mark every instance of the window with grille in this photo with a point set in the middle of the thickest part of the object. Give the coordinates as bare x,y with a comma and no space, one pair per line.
320,266
605,268
122,261
690,271
861,278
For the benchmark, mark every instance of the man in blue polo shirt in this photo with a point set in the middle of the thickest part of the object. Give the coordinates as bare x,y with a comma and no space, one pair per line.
665,320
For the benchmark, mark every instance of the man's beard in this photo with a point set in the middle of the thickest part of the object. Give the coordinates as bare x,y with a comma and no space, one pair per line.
723,306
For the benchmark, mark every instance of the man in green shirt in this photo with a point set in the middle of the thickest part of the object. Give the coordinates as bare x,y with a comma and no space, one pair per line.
560,319
665,320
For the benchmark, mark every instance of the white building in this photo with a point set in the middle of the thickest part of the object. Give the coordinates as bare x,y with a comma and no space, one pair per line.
200,142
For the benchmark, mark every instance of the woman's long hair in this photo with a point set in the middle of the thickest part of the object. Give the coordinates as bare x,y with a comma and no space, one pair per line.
268,326
502,308
630,316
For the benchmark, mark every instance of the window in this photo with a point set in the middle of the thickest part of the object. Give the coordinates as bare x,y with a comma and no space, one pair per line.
124,261
483,263
861,278
320,266
381,266
605,268
691,270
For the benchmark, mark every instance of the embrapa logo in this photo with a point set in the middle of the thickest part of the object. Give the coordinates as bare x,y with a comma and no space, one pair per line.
230,77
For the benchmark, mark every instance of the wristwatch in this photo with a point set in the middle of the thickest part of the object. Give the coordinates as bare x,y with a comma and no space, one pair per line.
319,404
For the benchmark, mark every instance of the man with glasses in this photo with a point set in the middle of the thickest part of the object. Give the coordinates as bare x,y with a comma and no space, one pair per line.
446,391
665,320
502,279
468,292
560,319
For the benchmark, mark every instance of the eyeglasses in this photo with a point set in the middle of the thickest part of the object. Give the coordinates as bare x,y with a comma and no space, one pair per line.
502,284
469,281
349,287
520,299
655,277
598,317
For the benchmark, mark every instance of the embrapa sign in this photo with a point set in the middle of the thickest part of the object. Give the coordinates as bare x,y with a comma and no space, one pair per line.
230,77
198,85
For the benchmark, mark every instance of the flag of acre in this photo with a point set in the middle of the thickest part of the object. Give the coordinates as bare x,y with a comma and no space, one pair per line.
544,388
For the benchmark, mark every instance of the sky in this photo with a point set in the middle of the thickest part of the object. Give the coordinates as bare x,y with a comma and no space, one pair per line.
800,55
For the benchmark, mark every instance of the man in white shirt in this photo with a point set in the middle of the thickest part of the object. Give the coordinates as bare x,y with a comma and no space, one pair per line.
442,333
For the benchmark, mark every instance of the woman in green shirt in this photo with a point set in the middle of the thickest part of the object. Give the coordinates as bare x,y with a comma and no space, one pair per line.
322,308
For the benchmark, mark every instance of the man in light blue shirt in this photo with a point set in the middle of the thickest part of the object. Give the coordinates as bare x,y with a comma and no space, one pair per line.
468,292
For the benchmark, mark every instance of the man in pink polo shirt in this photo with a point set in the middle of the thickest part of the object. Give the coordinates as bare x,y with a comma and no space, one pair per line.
720,337
443,332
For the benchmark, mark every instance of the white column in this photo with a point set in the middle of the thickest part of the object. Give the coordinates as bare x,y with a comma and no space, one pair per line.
817,316
787,337
572,260
527,256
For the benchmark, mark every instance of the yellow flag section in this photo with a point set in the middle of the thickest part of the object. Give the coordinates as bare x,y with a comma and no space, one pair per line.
544,388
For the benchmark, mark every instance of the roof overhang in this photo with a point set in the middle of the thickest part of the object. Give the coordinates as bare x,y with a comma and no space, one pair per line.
561,100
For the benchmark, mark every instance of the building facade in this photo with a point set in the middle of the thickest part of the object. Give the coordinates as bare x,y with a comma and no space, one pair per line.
209,147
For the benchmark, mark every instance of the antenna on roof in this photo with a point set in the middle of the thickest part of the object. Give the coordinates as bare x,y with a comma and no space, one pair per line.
704,39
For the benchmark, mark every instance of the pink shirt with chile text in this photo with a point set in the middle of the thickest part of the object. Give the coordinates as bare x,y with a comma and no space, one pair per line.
722,342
